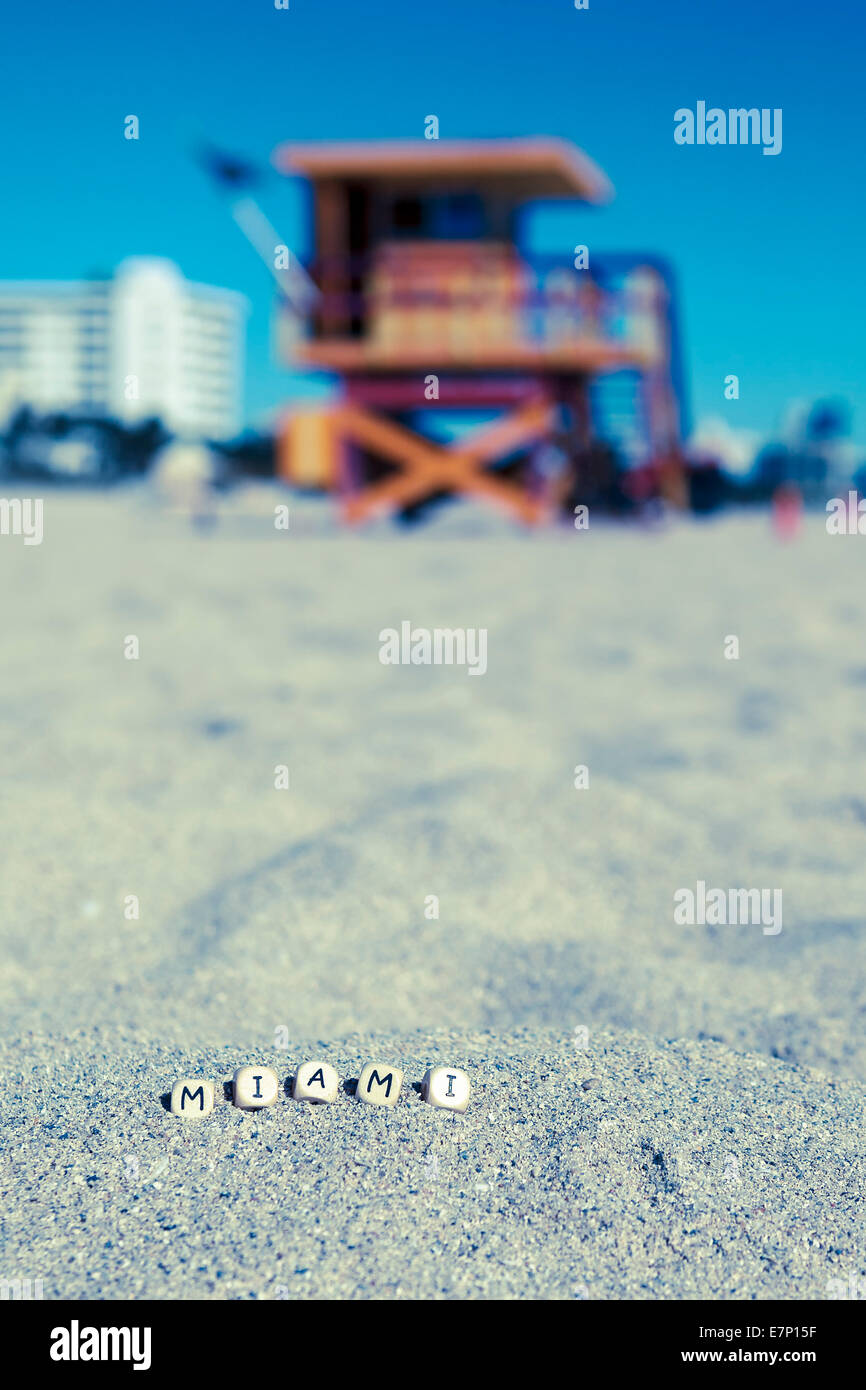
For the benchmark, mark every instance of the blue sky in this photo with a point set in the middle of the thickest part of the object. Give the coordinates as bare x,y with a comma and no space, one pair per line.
767,250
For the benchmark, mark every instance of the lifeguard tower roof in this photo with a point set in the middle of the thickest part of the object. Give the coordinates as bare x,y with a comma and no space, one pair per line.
522,169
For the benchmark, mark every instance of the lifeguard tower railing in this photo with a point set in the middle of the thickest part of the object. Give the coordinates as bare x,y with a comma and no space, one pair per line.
373,309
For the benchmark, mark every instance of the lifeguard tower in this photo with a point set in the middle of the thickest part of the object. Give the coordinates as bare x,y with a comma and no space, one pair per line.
427,302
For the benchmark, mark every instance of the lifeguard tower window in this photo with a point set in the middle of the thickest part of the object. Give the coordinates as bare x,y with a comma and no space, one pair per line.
441,217
407,216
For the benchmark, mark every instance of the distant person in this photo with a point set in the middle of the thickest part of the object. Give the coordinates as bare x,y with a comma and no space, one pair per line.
184,478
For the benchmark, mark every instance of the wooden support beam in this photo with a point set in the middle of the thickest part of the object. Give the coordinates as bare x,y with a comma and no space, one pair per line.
477,392
522,426
426,467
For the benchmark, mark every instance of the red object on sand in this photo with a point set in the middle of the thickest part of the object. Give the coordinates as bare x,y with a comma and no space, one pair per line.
787,512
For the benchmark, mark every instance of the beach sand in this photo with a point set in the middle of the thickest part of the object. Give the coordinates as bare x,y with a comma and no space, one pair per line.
720,1153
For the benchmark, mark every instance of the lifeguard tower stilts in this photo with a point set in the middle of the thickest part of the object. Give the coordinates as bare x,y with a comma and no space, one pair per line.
427,302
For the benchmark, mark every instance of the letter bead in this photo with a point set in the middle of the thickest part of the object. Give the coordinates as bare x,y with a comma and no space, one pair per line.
316,1081
192,1098
255,1087
447,1087
379,1085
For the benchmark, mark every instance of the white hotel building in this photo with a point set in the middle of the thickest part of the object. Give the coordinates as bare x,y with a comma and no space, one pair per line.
147,342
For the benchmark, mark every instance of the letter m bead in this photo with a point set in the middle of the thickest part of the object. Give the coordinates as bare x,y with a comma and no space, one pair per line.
379,1085
192,1098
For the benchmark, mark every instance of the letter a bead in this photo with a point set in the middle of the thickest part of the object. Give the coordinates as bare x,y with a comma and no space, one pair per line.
316,1081
446,1087
378,1085
255,1087
192,1098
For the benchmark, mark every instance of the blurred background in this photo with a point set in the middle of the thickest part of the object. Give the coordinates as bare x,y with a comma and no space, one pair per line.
441,275
675,310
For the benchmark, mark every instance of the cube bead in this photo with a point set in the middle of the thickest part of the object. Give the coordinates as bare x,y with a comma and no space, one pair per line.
255,1087
379,1085
316,1081
192,1098
447,1087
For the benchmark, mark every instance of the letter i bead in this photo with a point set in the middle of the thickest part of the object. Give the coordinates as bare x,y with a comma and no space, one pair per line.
447,1087
255,1087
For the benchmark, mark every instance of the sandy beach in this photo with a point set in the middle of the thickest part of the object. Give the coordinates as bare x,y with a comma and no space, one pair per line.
719,1150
